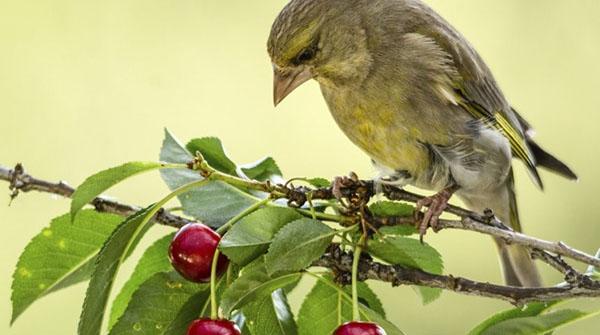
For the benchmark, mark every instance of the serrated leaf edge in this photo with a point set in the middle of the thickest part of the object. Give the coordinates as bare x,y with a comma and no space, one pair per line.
241,300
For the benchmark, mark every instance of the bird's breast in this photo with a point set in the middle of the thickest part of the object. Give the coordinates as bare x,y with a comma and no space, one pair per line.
381,131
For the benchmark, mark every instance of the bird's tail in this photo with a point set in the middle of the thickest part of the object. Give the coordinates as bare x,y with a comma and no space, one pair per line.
517,265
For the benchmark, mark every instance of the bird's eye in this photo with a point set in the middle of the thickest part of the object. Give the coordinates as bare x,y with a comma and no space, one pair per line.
306,55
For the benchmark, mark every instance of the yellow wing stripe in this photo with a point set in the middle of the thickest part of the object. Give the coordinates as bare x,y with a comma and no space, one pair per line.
517,142
499,122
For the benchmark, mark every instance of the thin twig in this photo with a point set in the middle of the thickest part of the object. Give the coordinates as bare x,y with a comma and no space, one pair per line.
512,237
20,181
506,234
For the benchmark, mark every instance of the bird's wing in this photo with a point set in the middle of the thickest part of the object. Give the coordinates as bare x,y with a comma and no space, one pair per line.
477,92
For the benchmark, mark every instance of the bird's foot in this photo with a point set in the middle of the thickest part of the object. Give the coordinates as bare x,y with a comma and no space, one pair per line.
436,204
341,183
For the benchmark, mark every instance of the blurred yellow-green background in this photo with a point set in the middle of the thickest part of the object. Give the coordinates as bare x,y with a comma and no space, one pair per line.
86,85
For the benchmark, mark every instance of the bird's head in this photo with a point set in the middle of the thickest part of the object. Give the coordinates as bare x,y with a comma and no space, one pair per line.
317,39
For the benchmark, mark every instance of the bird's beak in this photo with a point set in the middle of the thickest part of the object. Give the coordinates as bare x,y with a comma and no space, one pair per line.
285,81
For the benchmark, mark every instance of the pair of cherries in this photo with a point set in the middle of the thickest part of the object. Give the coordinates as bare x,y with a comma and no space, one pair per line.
226,327
191,253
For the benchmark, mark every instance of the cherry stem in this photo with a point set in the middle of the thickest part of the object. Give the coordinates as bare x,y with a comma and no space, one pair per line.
355,261
238,217
339,308
214,311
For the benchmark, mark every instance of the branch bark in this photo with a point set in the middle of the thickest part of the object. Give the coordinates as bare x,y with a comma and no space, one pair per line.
577,285
358,193
20,181
341,262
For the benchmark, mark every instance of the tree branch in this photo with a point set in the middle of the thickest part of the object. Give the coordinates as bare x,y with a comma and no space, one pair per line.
20,181
340,262
356,191
359,192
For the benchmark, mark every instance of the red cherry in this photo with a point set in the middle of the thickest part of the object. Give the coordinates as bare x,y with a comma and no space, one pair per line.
359,328
191,252
213,327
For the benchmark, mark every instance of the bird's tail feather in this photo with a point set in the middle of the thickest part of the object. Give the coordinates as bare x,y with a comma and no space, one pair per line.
550,162
517,265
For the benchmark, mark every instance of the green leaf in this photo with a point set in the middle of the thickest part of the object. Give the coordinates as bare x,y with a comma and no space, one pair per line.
61,255
196,306
427,294
367,297
411,253
319,182
94,185
214,204
389,208
155,259
156,304
172,151
322,311
262,170
270,315
251,236
327,306
408,252
531,309
297,245
120,244
540,324
110,258
212,150
372,316
401,230
253,284
189,312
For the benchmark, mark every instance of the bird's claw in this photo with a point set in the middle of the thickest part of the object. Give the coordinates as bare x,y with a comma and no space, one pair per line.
336,187
436,204
340,183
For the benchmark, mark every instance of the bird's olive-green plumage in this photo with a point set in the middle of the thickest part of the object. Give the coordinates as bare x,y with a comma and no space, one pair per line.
414,95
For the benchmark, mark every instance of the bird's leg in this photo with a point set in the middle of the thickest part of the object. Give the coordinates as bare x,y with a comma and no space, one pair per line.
342,184
336,188
436,204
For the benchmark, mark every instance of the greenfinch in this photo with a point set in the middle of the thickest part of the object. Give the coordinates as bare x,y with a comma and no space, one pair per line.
410,91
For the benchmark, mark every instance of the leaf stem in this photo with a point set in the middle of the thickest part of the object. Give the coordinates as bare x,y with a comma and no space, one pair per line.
229,275
348,229
334,286
211,173
355,261
214,311
224,228
157,206
339,311
329,283
322,216
173,166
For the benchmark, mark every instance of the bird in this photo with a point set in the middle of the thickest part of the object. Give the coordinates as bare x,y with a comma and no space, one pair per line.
410,91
